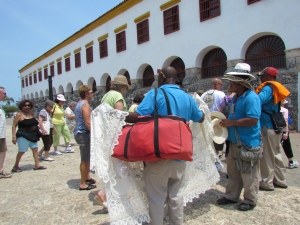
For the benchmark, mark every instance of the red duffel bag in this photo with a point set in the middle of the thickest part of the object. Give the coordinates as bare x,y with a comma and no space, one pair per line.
155,138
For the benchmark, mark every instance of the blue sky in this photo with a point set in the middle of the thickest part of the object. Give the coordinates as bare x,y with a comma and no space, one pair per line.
29,28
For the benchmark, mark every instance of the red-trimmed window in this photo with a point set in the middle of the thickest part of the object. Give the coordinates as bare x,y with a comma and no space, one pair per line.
103,48
142,29
40,76
67,64
34,78
209,9
252,1
23,83
52,71
171,20
59,70
121,41
30,80
77,60
26,81
89,54
45,73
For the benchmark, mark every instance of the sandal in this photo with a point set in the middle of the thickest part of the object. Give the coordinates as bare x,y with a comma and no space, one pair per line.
91,181
16,170
98,199
5,175
40,168
89,187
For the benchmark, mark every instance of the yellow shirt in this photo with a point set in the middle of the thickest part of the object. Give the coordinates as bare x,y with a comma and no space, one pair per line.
58,116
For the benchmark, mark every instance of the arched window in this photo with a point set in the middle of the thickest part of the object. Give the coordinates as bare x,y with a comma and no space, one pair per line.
108,84
128,77
214,63
178,64
266,51
148,76
94,88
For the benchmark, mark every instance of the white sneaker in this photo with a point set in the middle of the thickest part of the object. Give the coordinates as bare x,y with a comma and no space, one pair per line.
293,165
49,159
57,152
69,150
70,145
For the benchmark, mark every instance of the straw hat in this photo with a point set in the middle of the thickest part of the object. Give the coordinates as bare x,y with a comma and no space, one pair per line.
220,132
241,69
239,80
121,80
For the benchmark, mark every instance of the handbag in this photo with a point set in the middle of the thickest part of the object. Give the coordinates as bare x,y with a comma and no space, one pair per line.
277,120
154,138
226,109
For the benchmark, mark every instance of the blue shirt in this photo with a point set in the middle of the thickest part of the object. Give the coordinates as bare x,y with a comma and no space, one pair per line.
267,101
247,106
181,104
80,125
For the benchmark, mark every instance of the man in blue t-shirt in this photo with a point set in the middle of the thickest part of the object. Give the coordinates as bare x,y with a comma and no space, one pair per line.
271,165
244,117
165,179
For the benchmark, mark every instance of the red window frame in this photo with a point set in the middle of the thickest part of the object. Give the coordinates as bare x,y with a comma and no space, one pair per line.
252,1
209,9
40,75
103,49
26,81
34,78
142,30
52,73
171,20
77,60
59,70
67,64
121,41
23,84
89,54
45,73
30,80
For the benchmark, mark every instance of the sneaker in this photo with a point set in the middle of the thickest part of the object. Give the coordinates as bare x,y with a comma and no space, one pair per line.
293,165
70,145
49,159
57,152
69,150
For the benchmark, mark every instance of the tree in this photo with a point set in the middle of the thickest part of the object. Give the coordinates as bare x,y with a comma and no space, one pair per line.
10,108
8,100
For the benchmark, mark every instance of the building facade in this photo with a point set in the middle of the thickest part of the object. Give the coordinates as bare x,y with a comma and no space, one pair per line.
202,39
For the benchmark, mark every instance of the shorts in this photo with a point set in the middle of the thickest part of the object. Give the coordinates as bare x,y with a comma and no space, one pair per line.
48,140
3,146
83,140
24,144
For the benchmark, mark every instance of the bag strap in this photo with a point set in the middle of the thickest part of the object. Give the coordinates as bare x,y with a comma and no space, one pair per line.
156,141
238,140
167,101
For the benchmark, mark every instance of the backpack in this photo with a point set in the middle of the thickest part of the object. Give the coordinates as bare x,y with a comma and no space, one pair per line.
209,99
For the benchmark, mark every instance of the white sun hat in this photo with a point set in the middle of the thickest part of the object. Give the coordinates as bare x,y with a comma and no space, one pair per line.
220,133
241,69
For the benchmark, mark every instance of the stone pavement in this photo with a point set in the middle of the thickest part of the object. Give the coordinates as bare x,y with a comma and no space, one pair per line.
51,196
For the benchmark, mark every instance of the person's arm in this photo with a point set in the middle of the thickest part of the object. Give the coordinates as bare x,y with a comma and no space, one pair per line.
41,119
132,117
203,117
70,116
14,126
86,113
119,105
245,122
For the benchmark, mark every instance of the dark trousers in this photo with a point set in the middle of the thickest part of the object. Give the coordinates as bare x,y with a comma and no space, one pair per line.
287,147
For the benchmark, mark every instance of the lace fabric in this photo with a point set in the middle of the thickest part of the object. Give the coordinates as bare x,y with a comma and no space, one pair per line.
123,181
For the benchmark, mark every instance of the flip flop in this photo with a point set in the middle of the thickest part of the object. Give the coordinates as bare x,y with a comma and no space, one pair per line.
16,170
91,181
89,187
40,168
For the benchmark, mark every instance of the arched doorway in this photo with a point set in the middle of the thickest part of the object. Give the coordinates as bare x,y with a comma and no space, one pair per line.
94,88
266,51
108,84
126,74
148,76
214,63
179,65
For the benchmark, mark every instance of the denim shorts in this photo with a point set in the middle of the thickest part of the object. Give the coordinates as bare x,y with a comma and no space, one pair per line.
83,140
24,144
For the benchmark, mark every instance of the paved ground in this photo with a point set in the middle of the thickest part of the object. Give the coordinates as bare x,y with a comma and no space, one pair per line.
51,196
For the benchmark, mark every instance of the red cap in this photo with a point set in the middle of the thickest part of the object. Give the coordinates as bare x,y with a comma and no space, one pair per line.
269,71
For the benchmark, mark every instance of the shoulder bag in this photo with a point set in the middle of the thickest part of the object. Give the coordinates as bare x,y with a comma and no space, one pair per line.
277,120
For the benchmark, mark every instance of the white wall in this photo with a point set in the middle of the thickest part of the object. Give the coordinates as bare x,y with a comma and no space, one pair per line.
234,30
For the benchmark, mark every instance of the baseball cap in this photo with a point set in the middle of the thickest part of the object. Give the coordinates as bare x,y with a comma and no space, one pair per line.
269,71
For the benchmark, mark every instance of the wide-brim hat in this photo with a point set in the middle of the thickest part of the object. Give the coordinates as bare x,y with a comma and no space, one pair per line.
242,69
121,80
220,133
246,83
61,97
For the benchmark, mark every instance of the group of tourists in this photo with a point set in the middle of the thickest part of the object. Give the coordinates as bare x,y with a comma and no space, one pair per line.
252,147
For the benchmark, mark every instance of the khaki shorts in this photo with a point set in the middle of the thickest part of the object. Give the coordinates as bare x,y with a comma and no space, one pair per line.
3,147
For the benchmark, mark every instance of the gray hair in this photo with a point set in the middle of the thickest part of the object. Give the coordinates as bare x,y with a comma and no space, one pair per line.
72,104
49,103
117,87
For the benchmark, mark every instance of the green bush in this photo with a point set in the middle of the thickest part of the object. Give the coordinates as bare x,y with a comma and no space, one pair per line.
10,108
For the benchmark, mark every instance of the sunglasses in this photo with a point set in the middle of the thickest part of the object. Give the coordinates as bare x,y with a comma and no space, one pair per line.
91,92
162,73
4,93
26,105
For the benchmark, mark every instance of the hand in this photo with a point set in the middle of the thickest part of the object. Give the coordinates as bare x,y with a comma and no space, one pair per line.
226,123
14,140
54,130
44,132
284,136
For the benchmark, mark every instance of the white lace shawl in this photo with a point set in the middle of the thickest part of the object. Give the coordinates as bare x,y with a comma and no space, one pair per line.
123,182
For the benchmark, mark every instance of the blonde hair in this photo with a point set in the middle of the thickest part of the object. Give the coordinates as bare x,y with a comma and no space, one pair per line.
83,89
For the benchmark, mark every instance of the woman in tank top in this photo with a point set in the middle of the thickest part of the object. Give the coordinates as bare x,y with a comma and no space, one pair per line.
27,134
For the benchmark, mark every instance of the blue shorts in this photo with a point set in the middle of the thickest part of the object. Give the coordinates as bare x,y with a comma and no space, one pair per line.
24,144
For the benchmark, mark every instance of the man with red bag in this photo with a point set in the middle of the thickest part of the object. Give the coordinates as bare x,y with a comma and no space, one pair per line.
165,178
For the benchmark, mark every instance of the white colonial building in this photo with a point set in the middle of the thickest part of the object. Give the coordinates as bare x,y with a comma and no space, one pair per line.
200,38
